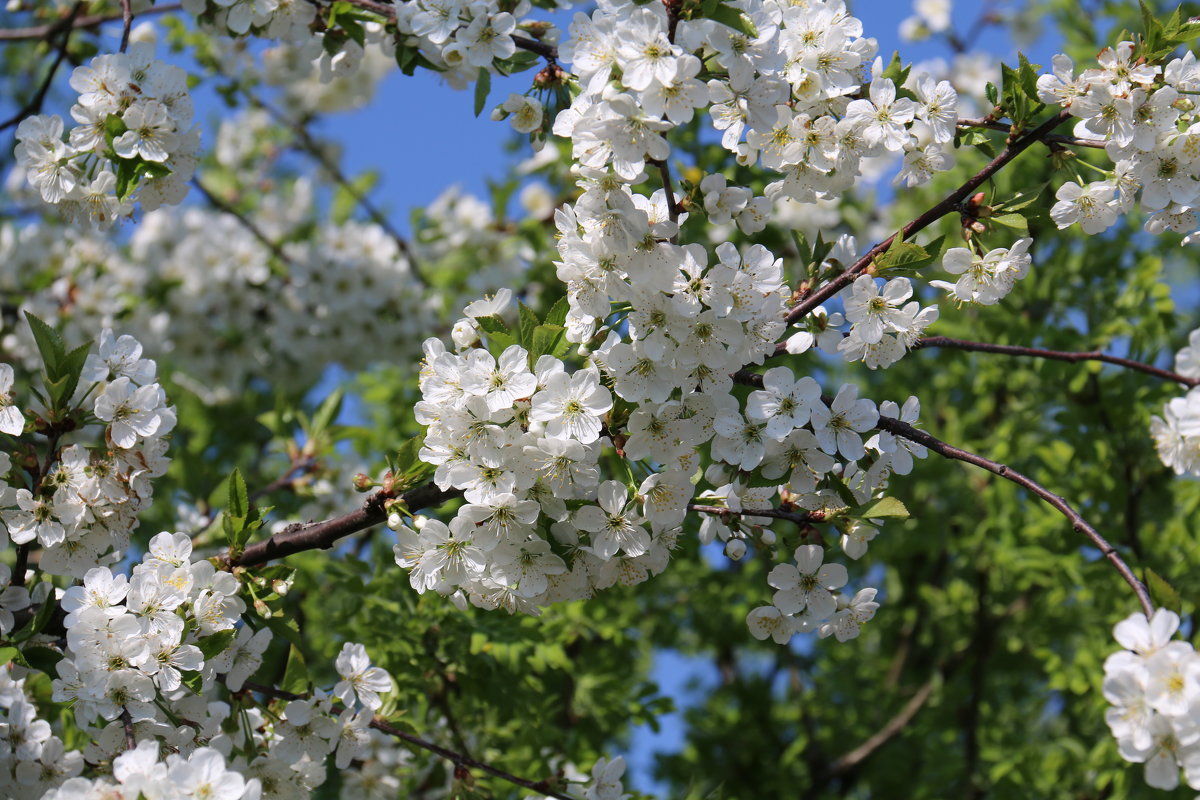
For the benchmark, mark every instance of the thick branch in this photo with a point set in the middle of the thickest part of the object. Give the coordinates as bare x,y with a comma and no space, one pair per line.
458,759
91,21
947,205
322,535
1055,355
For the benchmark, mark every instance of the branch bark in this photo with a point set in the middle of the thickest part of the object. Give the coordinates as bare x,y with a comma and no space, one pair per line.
947,205
1055,355
91,21
322,535
67,26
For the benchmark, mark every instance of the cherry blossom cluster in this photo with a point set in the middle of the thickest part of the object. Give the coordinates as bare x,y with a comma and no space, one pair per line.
83,505
522,441
1153,686
985,278
221,310
34,759
132,140
1176,433
1143,115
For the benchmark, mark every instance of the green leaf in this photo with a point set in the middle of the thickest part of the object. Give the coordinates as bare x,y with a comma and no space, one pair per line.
327,413
346,197
906,256
295,677
50,345
215,643
896,72
558,312
44,613
126,177
548,339
1162,592
192,680
238,504
9,655
733,18
884,507
483,87
492,324
1016,222
529,321
43,659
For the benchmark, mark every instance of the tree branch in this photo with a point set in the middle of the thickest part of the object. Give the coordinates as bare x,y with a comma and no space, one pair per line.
313,148
798,517
996,125
546,51
322,535
245,221
127,24
48,30
889,731
947,205
1078,523
458,759
66,25
1054,355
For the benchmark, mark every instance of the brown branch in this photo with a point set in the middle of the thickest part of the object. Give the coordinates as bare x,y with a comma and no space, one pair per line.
947,205
1055,355
889,731
322,535
127,24
994,125
245,221
313,148
546,51
458,759
35,105
798,517
664,172
127,723
1078,523
48,30
297,470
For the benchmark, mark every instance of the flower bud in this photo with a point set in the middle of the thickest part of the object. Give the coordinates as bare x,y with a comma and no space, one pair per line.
735,549
362,482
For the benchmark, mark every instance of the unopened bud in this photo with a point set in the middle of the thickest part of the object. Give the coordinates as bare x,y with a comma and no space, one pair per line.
735,549
767,537
362,482
389,482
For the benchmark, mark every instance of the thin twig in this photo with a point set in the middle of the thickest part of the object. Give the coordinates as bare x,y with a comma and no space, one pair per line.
45,31
664,172
127,23
947,205
889,731
1078,523
458,759
1054,355
245,221
127,722
995,125
798,517
35,105
313,148
546,51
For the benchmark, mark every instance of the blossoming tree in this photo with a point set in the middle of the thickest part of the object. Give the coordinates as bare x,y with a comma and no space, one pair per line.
673,404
